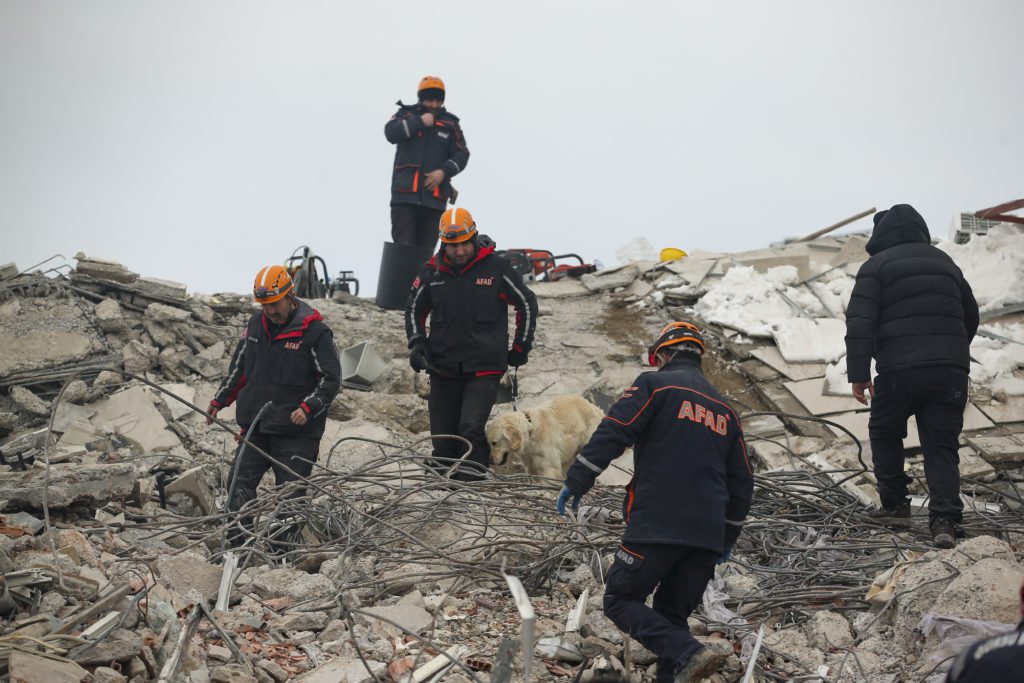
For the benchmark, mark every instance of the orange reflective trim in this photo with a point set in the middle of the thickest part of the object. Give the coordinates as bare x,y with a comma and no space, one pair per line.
416,181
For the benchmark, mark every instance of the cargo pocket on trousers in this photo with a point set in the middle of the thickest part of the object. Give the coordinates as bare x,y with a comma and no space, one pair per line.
628,559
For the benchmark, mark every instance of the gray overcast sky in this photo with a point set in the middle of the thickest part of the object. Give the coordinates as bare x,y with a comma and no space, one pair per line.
196,141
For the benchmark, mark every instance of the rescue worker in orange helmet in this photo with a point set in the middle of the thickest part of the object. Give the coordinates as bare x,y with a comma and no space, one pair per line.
430,150
684,508
286,355
466,290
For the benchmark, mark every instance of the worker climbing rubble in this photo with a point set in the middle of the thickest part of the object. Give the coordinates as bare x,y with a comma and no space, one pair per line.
685,506
465,291
284,373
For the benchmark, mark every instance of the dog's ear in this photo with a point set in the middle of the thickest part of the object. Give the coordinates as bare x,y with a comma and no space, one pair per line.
514,436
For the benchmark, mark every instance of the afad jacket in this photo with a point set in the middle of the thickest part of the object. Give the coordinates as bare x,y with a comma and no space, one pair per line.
468,312
420,150
692,482
298,367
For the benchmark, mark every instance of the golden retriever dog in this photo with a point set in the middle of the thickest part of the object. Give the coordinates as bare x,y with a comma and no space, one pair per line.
544,438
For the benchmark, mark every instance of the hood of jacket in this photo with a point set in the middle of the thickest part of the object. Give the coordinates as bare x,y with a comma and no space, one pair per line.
899,225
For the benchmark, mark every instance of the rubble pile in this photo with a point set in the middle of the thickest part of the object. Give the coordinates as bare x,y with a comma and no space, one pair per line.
113,549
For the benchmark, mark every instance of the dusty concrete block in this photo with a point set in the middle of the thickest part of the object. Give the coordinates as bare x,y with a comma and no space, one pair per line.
213,353
793,645
29,402
8,270
163,288
598,625
41,349
103,269
605,280
826,630
986,591
89,484
28,668
131,414
10,309
231,673
218,653
169,314
284,582
184,572
104,674
344,670
302,621
139,357
192,485
409,617
273,670
111,317
118,646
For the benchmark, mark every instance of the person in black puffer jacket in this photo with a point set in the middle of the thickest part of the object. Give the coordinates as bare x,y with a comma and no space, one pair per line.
913,311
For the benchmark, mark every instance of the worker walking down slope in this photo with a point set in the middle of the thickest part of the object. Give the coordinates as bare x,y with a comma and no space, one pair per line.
912,309
684,508
285,355
465,290
430,151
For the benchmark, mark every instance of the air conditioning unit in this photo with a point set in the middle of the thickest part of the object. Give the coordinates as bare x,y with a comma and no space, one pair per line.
967,224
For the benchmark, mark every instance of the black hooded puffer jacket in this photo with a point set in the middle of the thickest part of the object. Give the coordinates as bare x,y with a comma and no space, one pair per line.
911,306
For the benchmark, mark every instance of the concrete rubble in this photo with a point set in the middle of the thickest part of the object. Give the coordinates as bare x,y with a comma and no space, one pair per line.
376,570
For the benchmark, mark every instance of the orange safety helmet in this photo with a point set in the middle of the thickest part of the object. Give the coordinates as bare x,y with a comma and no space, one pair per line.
457,225
272,284
430,82
679,332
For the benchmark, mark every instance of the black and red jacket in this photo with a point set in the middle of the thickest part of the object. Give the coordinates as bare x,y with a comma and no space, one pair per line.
296,368
420,150
468,312
692,482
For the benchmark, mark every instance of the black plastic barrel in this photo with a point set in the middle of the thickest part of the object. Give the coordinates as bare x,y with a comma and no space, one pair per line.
399,265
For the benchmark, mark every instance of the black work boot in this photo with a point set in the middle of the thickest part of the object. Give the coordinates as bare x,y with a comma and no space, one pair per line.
943,532
702,664
896,516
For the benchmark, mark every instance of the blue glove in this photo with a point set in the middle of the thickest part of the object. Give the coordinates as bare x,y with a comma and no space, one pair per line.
564,497
725,555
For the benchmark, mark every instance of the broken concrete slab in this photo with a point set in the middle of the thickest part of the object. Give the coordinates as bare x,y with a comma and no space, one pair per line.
88,484
986,590
692,269
24,667
802,340
857,423
284,582
605,280
1004,412
409,617
177,409
131,414
111,317
103,269
810,393
170,314
184,573
561,289
42,349
794,371
191,484
828,630
345,670
998,449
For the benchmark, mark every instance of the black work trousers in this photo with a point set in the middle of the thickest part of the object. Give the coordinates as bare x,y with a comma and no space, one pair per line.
936,396
681,574
460,405
413,225
298,453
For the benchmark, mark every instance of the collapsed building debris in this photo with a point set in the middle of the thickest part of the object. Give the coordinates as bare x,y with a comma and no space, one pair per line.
112,485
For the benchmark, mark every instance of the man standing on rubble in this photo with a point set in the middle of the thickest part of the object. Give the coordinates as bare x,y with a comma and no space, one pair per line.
465,290
684,508
913,311
286,356
430,151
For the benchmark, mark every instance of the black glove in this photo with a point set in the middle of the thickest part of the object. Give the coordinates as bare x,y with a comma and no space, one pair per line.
418,358
517,357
